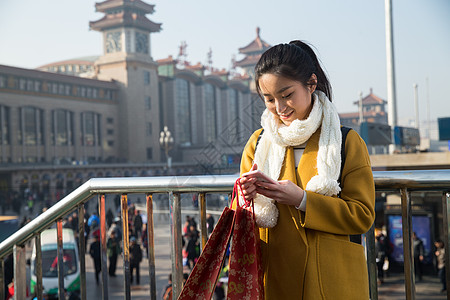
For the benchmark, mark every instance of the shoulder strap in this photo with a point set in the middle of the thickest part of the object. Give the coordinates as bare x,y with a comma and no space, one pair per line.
259,138
344,131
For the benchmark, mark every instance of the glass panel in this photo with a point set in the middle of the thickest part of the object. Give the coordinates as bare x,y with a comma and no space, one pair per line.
210,116
182,106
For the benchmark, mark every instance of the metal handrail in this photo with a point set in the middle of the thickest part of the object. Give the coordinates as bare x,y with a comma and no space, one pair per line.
403,181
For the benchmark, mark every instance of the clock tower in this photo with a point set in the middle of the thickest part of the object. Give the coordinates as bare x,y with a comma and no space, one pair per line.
127,60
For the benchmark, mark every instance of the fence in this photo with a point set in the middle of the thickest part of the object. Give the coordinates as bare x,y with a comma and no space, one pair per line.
403,181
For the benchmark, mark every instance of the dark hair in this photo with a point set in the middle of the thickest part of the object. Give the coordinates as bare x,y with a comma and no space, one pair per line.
296,61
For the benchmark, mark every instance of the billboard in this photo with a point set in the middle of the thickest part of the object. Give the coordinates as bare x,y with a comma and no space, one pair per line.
444,129
406,136
376,133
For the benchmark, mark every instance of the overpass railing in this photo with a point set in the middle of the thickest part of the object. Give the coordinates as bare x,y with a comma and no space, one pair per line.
403,181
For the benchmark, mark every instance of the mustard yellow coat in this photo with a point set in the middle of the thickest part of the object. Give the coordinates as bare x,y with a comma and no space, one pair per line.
308,255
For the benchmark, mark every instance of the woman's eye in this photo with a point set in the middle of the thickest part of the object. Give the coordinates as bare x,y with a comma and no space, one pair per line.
287,96
269,100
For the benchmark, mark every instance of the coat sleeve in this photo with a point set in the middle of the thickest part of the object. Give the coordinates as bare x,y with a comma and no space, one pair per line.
354,211
249,152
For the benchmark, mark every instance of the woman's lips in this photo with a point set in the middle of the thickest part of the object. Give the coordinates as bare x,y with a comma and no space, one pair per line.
286,116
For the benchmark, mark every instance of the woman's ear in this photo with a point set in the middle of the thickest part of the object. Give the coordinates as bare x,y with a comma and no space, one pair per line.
312,83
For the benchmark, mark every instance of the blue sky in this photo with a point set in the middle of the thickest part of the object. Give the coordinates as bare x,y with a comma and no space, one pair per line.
349,37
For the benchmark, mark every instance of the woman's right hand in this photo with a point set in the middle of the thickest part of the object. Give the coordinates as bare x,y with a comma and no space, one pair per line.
248,185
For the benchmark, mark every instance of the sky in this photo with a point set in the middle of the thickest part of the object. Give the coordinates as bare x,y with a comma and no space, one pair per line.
348,37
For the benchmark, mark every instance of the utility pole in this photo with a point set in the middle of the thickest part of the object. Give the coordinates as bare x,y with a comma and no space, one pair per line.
391,95
416,105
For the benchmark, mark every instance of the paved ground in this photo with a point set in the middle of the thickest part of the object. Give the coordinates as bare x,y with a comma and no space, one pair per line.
393,288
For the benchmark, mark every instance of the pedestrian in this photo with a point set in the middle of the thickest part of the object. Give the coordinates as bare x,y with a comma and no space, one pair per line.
304,207
381,251
113,251
95,253
209,223
418,256
109,217
440,256
135,258
192,246
167,294
137,224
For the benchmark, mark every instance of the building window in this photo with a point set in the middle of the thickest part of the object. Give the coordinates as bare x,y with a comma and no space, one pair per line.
4,125
31,126
2,81
37,86
110,131
22,84
146,77
110,143
233,114
148,102
182,117
90,129
210,116
110,120
149,153
62,127
29,85
149,128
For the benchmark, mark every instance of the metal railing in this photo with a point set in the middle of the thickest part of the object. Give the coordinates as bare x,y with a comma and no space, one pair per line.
403,181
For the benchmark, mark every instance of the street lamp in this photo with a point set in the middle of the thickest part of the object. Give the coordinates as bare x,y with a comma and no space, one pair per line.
166,142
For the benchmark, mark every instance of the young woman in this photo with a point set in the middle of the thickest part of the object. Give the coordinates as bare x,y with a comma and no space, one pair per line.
305,208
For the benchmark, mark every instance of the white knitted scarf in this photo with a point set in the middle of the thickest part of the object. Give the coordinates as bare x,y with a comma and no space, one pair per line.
271,149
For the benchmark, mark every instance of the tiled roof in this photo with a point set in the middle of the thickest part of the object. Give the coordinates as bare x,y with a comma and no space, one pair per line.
166,61
249,60
125,19
352,115
257,45
90,60
138,4
43,75
371,99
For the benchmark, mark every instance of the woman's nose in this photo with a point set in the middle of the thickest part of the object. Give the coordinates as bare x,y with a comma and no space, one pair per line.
280,105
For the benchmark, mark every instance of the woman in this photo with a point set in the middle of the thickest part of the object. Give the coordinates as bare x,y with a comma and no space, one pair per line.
305,209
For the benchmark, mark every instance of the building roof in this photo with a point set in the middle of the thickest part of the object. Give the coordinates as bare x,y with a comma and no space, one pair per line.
167,61
353,115
250,60
257,45
125,18
137,4
87,60
371,99
43,75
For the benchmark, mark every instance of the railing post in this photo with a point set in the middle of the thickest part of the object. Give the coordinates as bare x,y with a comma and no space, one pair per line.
38,266
151,247
60,254
371,262
82,247
126,246
203,229
2,278
407,245
446,213
101,206
20,276
177,258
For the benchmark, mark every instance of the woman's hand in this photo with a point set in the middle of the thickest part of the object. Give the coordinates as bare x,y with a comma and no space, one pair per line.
284,191
248,185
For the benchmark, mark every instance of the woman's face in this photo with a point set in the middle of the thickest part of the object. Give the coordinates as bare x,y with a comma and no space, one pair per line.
286,99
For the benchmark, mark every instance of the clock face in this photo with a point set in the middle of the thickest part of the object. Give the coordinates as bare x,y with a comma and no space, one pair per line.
113,42
141,42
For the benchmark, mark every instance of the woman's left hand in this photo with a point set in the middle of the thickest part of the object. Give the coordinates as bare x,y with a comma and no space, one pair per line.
283,191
